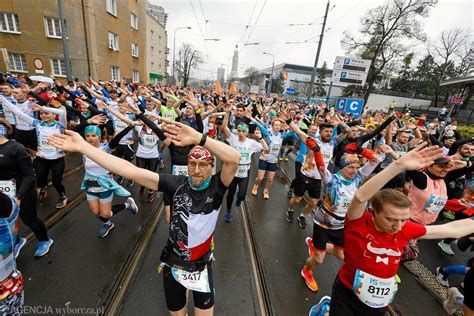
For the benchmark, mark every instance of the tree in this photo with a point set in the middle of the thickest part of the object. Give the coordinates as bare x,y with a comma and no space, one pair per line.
424,76
252,77
189,59
278,85
451,48
321,80
383,28
403,83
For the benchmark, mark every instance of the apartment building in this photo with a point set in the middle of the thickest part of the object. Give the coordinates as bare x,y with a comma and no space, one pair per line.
157,49
106,38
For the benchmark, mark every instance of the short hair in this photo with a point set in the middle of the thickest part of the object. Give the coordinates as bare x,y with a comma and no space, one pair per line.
389,196
324,126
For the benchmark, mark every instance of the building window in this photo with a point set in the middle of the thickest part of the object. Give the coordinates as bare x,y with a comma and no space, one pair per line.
152,35
111,7
113,41
115,73
134,21
152,49
134,50
59,67
9,23
159,40
17,62
52,27
135,76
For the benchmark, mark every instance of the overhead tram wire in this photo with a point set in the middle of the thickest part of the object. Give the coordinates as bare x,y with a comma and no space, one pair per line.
199,26
203,15
256,21
248,23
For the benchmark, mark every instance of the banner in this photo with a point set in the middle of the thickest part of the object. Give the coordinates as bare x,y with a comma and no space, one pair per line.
233,88
218,87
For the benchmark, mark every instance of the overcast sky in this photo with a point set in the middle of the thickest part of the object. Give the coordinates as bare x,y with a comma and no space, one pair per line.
227,20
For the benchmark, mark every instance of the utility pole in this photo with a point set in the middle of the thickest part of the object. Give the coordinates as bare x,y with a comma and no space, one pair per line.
67,59
315,68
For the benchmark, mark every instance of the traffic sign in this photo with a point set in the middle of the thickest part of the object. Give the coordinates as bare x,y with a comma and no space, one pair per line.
350,106
352,77
352,64
290,91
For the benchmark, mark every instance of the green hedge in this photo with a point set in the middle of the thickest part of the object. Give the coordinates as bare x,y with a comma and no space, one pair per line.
466,131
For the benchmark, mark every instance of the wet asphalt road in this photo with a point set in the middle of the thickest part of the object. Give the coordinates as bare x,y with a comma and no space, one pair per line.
81,268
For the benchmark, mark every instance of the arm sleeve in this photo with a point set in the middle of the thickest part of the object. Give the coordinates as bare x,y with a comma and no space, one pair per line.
15,110
38,98
458,173
153,126
372,134
420,179
115,141
200,125
454,147
26,167
81,126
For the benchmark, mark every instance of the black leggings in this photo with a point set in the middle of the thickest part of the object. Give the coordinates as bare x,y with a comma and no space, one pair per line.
175,293
147,163
42,168
243,184
29,216
298,174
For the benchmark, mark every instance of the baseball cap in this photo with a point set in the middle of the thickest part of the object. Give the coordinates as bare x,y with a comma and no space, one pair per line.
442,160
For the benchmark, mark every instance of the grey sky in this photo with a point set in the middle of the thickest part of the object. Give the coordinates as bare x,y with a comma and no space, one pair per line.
227,20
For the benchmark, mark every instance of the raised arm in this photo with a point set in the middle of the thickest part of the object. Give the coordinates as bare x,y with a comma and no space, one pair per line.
73,142
225,122
454,229
415,159
183,135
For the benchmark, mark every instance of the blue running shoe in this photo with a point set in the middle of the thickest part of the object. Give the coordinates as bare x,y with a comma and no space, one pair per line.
238,202
43,248
131,205
20,244
105,229
228,216
321,308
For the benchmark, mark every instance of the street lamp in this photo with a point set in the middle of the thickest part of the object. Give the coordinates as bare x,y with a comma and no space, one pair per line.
174,46
271,76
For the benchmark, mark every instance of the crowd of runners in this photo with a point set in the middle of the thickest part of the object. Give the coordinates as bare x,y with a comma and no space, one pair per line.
376,183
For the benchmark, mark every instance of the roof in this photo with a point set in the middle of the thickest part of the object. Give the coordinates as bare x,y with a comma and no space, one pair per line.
458,82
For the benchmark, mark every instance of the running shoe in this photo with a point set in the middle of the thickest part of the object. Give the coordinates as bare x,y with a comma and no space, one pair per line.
441,277
302,221
62,202
105,229
141,192
43,248
255,190
290,216
309,279
321,308
286,158
266,195
311,249
280,158
131,205
42,194
130,183
20,244
451,304
120,180
446,248
449,215
228,216
289,194
238,202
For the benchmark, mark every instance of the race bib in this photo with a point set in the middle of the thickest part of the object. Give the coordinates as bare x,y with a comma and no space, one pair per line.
120,126
194,281
275,150
149,140
179,170
242,171
8,187
44,143
342,207
169,115
435,204
373,291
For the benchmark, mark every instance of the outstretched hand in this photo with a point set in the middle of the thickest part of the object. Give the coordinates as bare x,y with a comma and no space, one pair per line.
69,141
420,157
180,134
